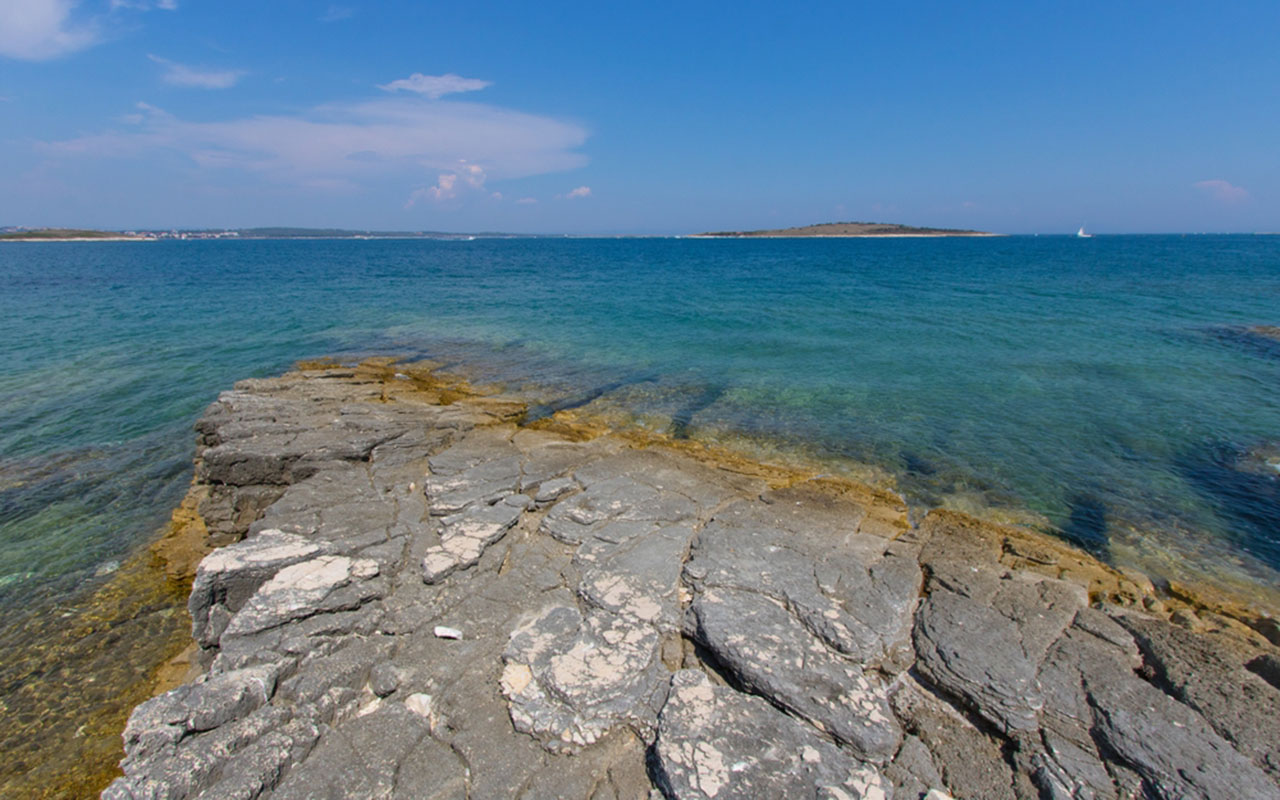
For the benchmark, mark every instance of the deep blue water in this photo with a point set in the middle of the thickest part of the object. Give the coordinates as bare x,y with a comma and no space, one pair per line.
1107,387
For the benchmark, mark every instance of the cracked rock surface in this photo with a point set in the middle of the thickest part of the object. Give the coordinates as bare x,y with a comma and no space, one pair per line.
414,598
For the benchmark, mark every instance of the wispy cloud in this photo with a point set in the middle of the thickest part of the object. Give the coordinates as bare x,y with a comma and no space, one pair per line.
1222,191
435,86
384,142
337,12
176,74
526,201
36,30
578,193
145,5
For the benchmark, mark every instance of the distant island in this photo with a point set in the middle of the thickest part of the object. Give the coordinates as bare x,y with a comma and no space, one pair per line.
852,229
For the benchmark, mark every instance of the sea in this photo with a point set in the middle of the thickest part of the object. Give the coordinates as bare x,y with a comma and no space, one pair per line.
1117,391
1100,388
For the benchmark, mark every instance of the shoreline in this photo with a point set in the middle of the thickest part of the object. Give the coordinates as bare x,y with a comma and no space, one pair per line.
405,389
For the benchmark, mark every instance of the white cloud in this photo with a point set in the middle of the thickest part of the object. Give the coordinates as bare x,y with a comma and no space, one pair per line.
337,12
435,86
496,196
574,194
35,30
1222,191
526,201
176,74
447,186
388,141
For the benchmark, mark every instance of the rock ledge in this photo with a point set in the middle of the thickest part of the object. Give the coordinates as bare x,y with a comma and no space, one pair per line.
414,597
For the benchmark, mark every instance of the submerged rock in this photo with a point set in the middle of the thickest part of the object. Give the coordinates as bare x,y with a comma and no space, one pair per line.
418,600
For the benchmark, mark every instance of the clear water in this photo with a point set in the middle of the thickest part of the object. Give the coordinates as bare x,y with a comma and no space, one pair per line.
1108,386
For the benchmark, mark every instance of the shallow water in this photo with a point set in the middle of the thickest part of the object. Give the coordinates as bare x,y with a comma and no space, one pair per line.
1107,387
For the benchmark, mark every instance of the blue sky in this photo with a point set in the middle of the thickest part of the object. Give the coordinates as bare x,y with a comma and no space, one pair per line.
640,118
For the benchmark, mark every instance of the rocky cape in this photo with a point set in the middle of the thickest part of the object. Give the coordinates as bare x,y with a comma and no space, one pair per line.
407,593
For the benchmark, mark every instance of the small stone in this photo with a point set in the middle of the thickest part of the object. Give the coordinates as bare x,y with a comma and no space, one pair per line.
420,704
384,679
445,632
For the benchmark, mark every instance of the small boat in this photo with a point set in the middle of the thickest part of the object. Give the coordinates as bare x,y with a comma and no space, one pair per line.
1082,235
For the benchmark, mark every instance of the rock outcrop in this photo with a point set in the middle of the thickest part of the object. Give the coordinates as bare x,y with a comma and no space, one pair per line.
416,598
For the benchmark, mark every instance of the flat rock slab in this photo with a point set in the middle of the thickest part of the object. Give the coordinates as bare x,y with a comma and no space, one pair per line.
769,652
714,742
422,600
857,591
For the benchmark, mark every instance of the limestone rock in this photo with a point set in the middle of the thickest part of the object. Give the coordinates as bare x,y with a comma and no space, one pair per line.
769,652
570,679
465,535
581,574
987,650
228,577
856,591
714,742
303,589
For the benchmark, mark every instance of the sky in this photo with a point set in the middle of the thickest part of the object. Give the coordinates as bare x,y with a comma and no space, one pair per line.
640,118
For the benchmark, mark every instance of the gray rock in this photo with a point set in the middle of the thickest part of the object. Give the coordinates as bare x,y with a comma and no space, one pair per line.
1209,674
209,702
856,591
968,760
384,679
570,679
465,536
1174,750
770,653
228,577
361,757
304,589
479,469
715,742
1100,716
575,571
988,650
636,577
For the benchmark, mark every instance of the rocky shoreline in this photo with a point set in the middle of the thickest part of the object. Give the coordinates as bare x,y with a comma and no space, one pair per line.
405,593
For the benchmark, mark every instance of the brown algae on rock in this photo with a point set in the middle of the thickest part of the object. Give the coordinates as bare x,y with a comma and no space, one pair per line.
73,672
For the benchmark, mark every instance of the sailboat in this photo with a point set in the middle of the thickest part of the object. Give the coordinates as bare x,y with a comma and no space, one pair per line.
1082,235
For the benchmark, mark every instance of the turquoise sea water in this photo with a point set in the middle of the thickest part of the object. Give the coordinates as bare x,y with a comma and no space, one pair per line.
1110,386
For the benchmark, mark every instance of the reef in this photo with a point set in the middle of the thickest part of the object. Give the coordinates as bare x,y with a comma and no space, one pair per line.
408,589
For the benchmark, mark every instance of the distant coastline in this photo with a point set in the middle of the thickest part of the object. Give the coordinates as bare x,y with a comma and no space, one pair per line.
80,235
847,230
68,235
